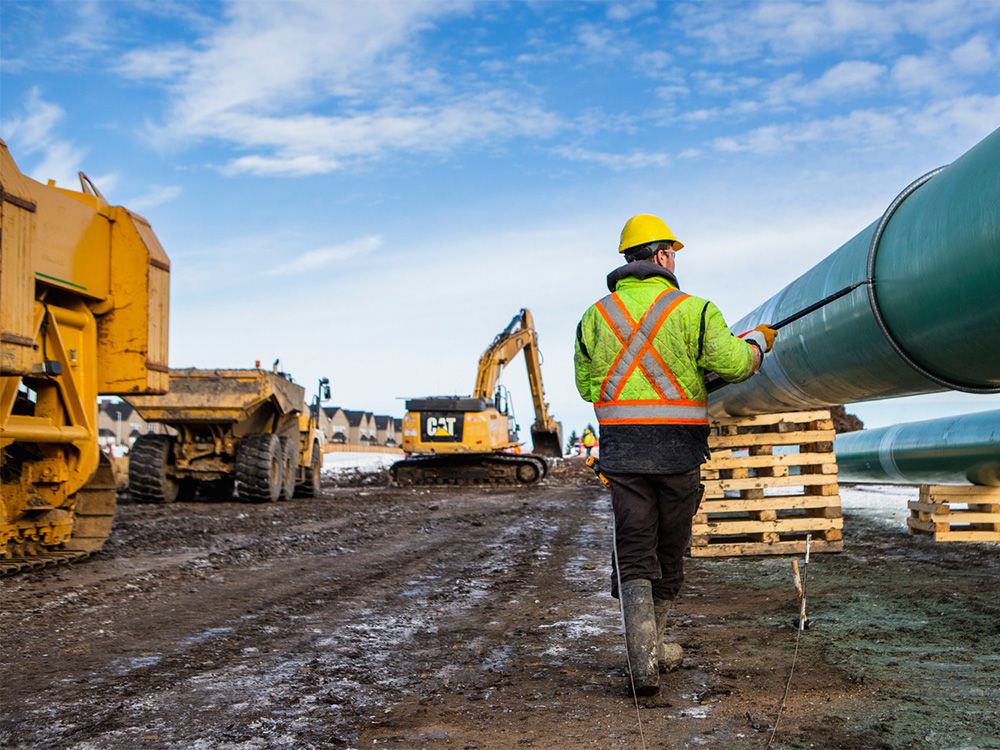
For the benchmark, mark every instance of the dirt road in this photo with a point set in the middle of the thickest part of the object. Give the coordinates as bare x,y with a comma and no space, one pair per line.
378,617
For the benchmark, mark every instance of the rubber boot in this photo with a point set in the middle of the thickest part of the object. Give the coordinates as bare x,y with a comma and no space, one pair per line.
640,634
668,655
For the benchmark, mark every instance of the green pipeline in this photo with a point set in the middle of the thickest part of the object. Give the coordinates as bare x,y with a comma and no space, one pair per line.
926,317
951,450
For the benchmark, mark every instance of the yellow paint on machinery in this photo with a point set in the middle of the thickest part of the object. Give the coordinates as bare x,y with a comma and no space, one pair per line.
248,427
476,430
84,298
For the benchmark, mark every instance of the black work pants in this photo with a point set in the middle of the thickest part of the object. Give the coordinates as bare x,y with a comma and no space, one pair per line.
653,515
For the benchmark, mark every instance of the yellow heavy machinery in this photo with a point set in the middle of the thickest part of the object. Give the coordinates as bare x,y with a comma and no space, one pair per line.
242,429
84,295
473,439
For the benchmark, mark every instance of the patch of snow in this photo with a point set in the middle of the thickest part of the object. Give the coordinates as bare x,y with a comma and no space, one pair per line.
341,461
883,502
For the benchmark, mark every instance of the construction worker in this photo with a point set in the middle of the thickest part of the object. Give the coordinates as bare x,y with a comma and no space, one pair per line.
641,356
589,441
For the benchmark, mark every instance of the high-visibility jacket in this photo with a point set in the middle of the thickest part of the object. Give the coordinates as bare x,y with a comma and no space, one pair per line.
642,351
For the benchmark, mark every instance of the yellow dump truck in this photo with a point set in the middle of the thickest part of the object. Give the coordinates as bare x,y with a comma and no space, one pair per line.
242,429
84,289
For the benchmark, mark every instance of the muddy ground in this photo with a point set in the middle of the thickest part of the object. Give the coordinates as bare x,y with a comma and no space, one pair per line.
415,618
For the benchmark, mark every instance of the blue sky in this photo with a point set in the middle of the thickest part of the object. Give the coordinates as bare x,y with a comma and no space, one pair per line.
370,190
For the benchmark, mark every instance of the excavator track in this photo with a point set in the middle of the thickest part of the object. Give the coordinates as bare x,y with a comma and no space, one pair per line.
92,518
470,469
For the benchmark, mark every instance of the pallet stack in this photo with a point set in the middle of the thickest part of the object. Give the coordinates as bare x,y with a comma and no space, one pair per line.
772,480
956,514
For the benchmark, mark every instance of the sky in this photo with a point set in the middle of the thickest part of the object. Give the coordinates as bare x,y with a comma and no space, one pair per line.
370,190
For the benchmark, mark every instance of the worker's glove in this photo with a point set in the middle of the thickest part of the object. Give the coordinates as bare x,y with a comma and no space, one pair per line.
769,335
761,337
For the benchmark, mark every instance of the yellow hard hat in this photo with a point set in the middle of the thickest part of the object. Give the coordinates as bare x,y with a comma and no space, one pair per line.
644,228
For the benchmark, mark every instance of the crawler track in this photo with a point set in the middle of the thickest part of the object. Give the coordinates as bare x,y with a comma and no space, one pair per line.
92,519
470,470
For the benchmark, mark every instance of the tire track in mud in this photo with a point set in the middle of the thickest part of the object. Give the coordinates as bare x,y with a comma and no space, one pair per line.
323,637
544,666
467,618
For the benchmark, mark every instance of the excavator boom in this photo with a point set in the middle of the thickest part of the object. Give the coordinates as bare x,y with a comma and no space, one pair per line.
520,334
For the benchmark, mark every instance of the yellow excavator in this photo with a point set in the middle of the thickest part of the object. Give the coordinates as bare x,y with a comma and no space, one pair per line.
473,439
84,295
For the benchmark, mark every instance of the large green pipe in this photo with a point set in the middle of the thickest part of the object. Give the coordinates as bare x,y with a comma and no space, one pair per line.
941,451
925,318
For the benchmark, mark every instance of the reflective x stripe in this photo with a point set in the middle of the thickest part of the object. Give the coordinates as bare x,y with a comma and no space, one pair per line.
637,351
672,406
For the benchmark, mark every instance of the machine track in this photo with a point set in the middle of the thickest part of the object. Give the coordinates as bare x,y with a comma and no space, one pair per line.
92,518
470,469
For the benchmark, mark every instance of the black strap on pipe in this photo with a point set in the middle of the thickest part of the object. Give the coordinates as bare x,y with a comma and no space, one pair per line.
713,381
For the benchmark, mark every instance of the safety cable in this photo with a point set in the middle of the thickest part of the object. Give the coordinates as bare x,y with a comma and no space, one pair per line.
798,637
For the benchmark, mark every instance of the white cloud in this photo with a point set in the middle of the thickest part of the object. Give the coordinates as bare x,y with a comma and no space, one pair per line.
599,40
32,129
858,127
310,144
921,73
32,133
164,63
157,195
315,260
310,87
964,119
623,10
975,55
787,30
617,162
849,77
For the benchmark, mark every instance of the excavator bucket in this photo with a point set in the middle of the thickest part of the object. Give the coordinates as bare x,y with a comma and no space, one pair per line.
547,442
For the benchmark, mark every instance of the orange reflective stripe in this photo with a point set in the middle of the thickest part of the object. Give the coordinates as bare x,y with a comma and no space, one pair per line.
625,312
609,321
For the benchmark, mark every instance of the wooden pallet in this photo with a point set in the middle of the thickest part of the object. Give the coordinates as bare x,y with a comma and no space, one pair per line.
956,514
762,502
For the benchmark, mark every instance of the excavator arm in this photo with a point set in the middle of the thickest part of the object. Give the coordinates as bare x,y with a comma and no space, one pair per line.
520,334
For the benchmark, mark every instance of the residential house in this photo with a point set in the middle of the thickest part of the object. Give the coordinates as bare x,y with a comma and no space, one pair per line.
334,424
361,427
385,431
119,424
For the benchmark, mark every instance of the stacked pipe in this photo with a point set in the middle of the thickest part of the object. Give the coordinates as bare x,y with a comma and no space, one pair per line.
925,318
951,450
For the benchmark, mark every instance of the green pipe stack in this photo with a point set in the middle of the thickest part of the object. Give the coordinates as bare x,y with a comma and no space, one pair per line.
951,450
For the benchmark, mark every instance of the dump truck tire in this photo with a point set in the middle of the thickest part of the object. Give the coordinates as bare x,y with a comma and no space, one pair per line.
290,466
259,463
310,486
148,481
